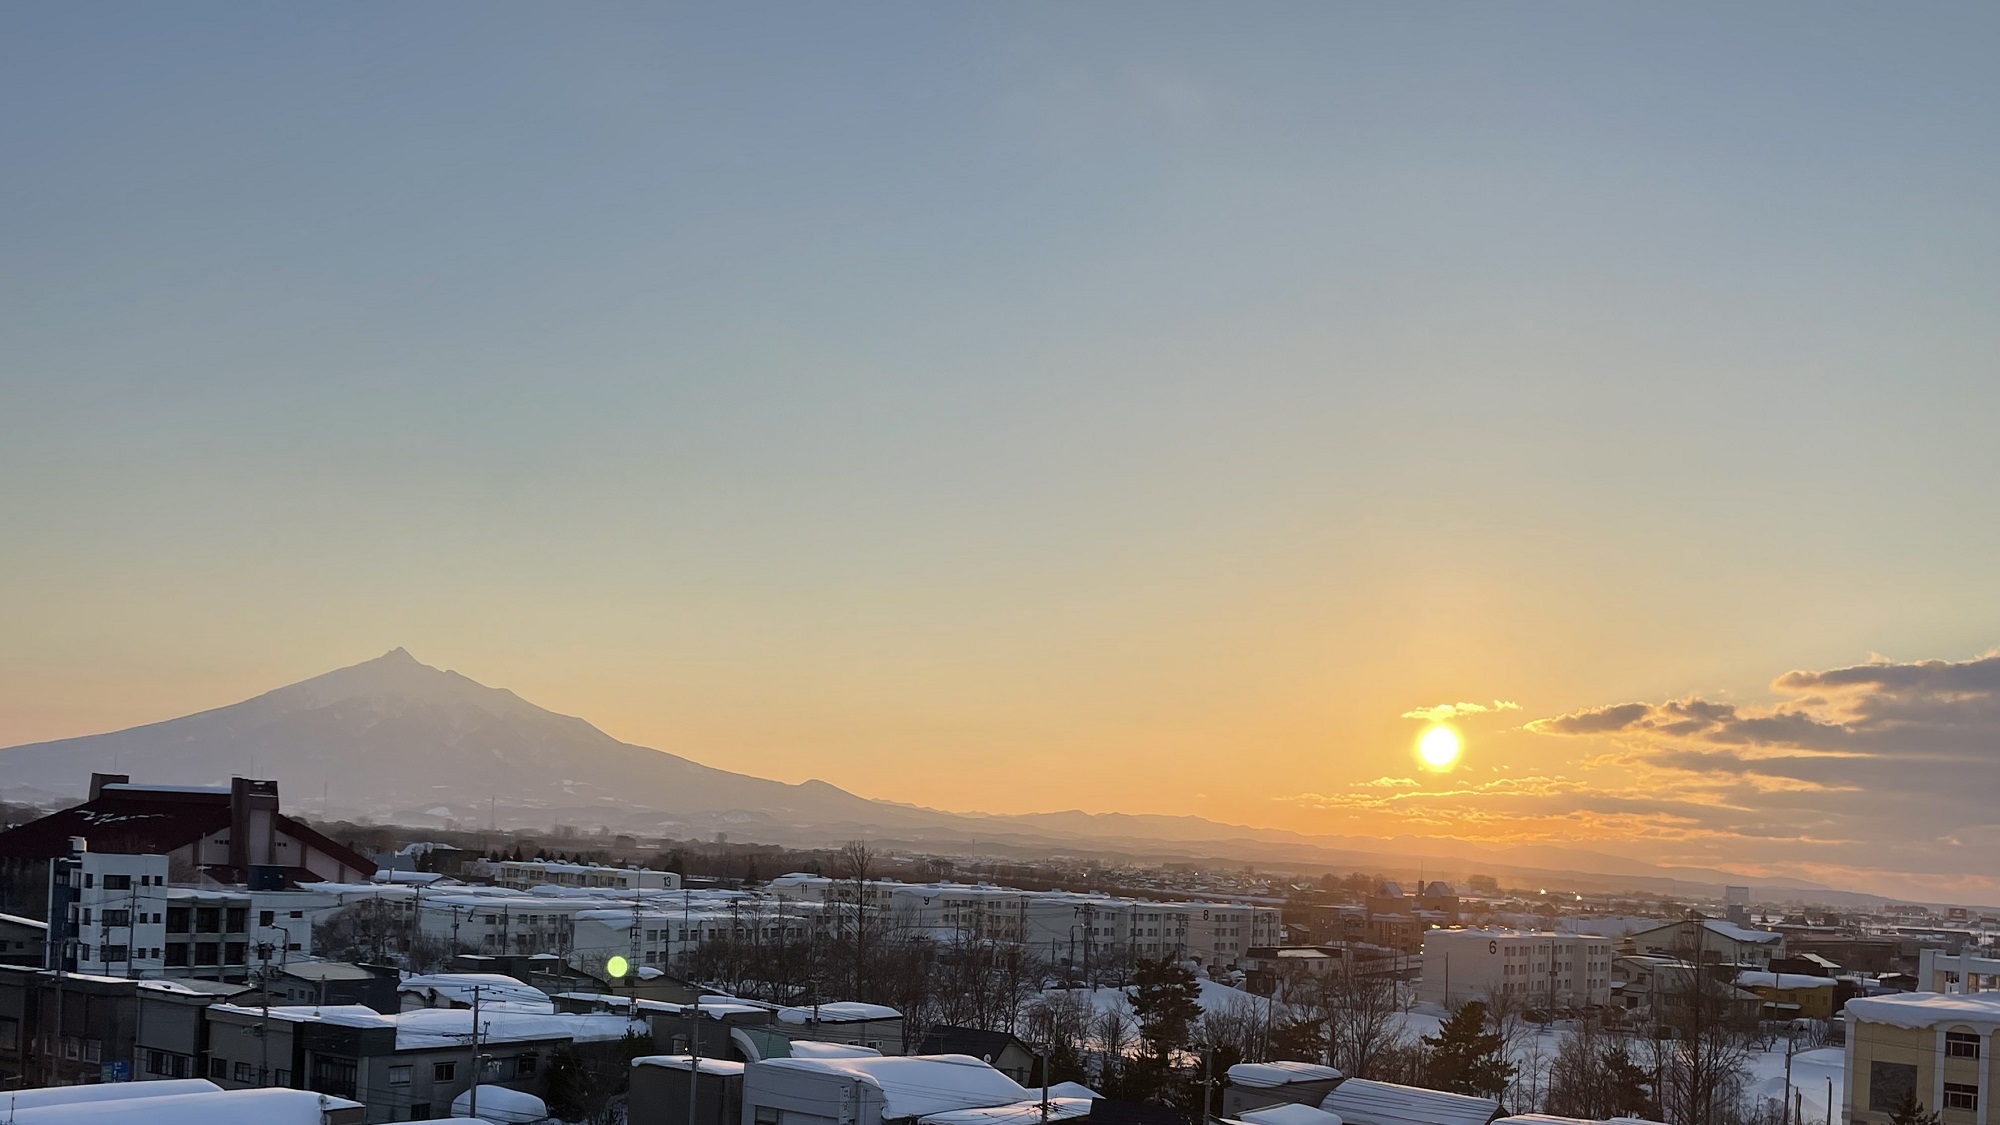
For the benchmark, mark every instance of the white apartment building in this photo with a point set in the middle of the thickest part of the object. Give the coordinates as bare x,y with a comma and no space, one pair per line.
1557,970
1065,926
119,914
522,874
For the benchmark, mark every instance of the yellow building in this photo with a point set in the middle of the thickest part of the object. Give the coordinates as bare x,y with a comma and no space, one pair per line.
1935,1047
1791,995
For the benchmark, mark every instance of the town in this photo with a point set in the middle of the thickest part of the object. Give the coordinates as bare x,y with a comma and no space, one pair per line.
199,951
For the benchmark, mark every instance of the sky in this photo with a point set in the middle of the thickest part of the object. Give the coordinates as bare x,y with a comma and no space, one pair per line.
1035,406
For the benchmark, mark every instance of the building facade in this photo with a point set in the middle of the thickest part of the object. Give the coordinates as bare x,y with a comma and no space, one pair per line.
1553,970
1933,1048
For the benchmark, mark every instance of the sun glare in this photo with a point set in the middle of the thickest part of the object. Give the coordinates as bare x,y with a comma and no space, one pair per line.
1438,748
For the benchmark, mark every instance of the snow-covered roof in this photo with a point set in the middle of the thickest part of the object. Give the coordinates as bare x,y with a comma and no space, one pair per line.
1290,1114
807,1049
450,1027
104,1092
1072,1090
1756,979
1928,1009
1364,1102
919,1085
680,1062
1020,1113
458,987
1272,1074
843,1011
501,1105
217,1107
1726,929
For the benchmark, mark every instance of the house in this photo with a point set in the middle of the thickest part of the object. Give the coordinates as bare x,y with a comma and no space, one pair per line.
1791,995
21,940
1711,941
61,1029
405,1066
1936,1048
846,1021
1359,1101
234,834
335,982
1000,1050
659,1091
871,1090
1255,1086
1266,968
155,1103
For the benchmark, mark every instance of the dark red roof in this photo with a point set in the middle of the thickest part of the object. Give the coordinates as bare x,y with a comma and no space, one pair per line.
128,823
151,822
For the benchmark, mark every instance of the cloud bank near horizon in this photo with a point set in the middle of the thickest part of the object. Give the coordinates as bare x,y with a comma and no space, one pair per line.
1875,775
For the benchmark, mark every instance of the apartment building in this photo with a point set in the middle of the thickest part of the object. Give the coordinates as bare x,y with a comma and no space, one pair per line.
522,874
1931,1047
1557,970
1068,927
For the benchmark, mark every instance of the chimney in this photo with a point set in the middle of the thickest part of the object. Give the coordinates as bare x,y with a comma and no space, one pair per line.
253,821
99,780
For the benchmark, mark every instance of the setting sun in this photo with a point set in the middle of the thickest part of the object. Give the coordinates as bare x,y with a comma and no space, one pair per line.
1438,748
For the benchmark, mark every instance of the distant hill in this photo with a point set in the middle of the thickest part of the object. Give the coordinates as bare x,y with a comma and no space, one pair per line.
397,741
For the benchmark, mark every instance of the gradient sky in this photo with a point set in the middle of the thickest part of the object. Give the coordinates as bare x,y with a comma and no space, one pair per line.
1030,406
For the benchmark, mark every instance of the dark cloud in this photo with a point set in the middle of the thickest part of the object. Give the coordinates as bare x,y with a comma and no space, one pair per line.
1872,765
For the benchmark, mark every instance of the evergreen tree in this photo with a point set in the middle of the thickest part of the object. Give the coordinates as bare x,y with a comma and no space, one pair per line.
1465,1058
1300,1040
1165,998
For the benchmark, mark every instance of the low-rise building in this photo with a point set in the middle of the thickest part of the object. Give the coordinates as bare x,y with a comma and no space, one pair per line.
1791,995
1711,941
1554,970
1934,1048
869,1090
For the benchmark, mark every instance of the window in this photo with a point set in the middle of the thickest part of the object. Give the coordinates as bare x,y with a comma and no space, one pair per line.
177,955
89,880
218,1068
208,920
769,1115
1958,1095
233,954
266,917
118,917
111,953
1890,1085
117,882
1961,1044
298,914
420,1111
156,1062
207,953
446,1071
238,918
399,1076
524,1067
177,919
243,1073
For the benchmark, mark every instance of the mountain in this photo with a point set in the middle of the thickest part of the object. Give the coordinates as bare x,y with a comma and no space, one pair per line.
397,741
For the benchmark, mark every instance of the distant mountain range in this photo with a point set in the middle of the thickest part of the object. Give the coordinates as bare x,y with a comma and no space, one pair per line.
396,741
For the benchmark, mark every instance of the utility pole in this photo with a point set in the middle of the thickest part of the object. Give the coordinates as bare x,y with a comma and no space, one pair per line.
1045,1052
694,1051
472,1106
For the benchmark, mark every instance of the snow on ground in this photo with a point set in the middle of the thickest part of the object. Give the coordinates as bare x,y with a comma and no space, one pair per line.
1214,997
1811,1072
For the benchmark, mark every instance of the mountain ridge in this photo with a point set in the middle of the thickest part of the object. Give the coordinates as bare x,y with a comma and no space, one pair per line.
400,741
